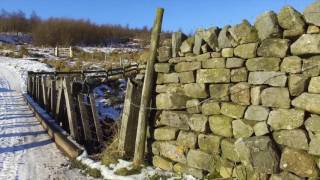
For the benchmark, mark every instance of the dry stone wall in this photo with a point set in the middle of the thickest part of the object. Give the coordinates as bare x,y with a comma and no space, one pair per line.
242,101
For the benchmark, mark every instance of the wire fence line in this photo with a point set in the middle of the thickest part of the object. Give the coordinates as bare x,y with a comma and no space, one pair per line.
230,93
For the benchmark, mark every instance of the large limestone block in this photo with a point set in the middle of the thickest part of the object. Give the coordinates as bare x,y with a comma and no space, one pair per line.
162,163
228,150
171,101
244,33
214,63
186,77
183,168
313,29
311,14
162,67
167,78
210,36
275,97
187,139
240,93
297,84
285,176
172,151
225,40
263,64
273,48
193,106
314,85
257,113
213,76
246,51
308,102
164,53
286,119
314,148
234,62
239,75
291,64
291,21
198,122
298,162
296,138
312,124
267,25
165,133
219,92
177,119
271,78
255,95
195,90
311,66
200,160
242,172
187,66
209,143
261,128
210,108
307,44
241,129
233,110
170,88
177,39
258,153
227,52
198,41
187,45
221,125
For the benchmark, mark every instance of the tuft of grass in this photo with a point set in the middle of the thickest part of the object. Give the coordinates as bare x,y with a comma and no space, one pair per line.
85,169
111,154
127,171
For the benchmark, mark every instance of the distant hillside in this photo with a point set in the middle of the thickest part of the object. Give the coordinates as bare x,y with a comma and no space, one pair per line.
65,32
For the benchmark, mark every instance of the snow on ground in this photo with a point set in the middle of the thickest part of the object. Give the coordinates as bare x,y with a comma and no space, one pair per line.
108,172
109,100
13,38
21,68
26,151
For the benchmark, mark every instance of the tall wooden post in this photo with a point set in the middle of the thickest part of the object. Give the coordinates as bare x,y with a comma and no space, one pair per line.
73,124
96,118
147,90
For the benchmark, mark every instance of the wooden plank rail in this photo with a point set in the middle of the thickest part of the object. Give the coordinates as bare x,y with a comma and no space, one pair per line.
68,101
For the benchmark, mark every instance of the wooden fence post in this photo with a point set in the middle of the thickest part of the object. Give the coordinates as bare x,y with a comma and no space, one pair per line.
44,91
59,97
96,120
73,125
53,95
129,120
84,118
147,90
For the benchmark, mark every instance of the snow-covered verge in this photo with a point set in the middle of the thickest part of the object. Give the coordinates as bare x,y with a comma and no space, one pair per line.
108,172
22,66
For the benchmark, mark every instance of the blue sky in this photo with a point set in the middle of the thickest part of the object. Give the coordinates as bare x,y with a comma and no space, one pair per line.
179,14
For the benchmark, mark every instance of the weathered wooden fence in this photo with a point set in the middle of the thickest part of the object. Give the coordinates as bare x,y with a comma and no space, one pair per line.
69,98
